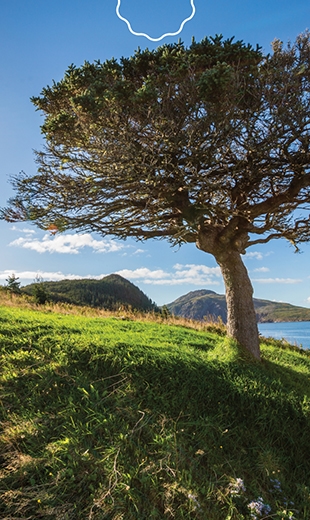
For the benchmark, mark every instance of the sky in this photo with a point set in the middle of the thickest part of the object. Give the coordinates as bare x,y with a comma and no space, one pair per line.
38,41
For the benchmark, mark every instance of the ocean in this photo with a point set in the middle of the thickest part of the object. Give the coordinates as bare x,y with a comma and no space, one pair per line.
297,332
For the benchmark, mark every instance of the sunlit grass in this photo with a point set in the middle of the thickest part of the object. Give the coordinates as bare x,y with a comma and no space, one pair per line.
123,313
113,417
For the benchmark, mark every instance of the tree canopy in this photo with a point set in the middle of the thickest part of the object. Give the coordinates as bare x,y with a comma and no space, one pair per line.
13,285
206,144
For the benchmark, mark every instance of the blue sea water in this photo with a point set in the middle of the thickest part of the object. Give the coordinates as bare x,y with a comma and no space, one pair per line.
297,332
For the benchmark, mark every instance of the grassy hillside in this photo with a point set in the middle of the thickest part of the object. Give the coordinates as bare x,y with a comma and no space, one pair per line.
201,304
120,419
110,292
267,311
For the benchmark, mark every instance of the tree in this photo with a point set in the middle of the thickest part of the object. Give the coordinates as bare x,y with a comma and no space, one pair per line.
40,293
12,284
165,312
207,144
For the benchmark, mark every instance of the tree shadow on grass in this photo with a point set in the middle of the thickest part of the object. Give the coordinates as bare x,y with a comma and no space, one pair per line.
73,431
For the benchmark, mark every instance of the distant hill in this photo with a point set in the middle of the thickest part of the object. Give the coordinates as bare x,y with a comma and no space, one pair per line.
110,292
203,303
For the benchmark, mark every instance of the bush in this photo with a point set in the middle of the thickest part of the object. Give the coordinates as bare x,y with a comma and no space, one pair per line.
40,293
13,284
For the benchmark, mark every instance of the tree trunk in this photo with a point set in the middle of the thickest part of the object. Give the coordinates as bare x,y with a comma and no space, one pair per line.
241,318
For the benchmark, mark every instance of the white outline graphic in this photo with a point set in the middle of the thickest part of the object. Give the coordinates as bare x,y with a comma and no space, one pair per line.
146,35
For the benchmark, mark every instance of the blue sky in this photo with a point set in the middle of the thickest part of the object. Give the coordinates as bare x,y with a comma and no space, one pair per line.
39,40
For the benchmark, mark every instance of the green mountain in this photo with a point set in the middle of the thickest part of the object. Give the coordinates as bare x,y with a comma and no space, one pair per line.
110,292
202,304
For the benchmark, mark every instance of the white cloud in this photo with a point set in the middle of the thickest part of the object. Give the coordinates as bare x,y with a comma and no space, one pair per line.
198,275
143,272
278,280
308,299
193,274
254,254
27,231
261,270
138,251
46,275
70,244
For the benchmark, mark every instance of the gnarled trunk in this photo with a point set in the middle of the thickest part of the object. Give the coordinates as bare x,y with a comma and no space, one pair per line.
241,318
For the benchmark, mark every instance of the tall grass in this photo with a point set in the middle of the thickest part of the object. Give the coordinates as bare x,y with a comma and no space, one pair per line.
109,418
24,301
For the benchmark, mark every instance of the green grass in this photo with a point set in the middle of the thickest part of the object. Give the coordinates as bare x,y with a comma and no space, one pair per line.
115,419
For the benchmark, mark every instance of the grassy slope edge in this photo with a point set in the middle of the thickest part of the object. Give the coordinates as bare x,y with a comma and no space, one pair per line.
120,419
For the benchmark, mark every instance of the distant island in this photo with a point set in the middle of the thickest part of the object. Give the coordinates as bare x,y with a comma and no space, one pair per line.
201,304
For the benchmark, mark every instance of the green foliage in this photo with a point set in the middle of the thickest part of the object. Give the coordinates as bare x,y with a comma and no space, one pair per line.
40,293
111,292
165,312
173,140
12,284
147,119
110,419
